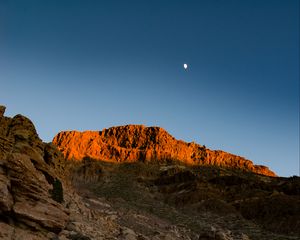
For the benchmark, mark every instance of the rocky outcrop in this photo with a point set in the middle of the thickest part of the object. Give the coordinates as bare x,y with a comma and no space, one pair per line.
26,182
139,200
132,143
37,200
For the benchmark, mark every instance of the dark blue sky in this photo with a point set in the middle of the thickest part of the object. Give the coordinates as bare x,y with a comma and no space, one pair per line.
95,64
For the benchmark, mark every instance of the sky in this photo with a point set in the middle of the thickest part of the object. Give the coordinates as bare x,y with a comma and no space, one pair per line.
89,65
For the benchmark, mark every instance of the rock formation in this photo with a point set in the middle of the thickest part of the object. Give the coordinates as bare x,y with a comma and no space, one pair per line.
37,200
132,143
44,196
26,182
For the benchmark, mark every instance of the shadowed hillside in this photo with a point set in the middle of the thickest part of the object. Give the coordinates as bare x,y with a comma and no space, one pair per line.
236,203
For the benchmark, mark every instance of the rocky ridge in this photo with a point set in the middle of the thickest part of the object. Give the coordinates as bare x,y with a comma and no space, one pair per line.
43,196
132,143
37,200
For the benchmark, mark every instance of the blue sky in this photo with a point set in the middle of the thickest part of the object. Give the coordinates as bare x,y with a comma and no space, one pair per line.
89,65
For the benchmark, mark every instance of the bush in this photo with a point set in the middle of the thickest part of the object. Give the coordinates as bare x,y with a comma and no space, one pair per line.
57,191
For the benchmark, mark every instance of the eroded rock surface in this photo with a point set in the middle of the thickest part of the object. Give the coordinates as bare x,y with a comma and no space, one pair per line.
132,143
26,182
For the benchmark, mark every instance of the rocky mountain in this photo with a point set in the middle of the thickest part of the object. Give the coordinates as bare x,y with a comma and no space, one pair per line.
164,196
132,143
26,180
37,200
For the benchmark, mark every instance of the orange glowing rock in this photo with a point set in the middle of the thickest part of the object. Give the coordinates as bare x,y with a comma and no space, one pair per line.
132,143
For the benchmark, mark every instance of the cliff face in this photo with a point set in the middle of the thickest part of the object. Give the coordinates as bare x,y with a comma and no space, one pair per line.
132,143
37,201
27,174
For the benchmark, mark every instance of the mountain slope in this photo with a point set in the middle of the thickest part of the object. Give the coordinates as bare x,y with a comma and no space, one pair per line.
37,201
132,143
45,196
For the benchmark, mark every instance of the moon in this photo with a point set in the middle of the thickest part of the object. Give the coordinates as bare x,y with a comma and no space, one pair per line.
185,66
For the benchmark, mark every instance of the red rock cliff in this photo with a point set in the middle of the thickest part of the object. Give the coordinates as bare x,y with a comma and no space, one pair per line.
139,143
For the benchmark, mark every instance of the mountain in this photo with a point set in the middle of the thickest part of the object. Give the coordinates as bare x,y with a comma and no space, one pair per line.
37,199
43,195
132,143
